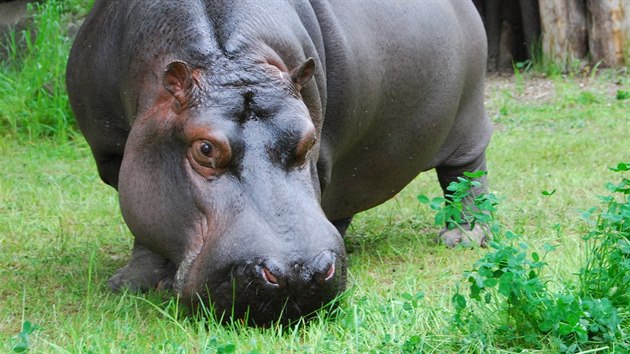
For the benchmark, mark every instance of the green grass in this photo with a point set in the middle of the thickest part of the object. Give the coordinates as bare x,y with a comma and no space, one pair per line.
32,78
62,236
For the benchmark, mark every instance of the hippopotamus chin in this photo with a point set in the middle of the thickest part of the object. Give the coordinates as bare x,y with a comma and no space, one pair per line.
242,136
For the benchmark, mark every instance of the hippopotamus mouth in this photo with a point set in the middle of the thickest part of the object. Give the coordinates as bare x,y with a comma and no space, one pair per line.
262,292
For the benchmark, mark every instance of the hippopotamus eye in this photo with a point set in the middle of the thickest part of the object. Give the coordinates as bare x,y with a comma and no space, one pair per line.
206,148
204,153
209,153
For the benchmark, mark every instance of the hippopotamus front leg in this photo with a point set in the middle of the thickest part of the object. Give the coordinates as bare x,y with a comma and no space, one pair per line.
145,271
464,235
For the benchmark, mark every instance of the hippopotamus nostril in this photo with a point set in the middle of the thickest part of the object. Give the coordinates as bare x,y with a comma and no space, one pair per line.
330,273
269,277
324,267
322,278
272,273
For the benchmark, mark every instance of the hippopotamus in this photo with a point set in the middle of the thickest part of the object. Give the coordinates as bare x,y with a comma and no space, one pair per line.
242,136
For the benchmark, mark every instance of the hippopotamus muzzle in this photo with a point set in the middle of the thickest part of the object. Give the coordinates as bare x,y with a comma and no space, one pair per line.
261,274
262,291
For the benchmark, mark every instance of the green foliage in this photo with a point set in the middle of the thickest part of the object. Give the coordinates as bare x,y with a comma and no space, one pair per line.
540,64
551,67
585,98
622,95
412,301
508,285
512,281
77,8
461,206
226,348
606,273
32,81
22,339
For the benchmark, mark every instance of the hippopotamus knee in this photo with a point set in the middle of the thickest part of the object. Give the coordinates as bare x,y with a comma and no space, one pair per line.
145,271
447,173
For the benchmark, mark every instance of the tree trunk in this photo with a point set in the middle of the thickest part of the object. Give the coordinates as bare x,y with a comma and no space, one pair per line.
564,33
490,11
531,26
570,33
608,31
512,28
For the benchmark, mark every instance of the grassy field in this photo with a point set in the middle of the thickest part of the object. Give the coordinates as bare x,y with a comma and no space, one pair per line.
62,236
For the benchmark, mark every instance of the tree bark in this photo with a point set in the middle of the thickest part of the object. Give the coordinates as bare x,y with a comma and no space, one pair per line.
512,28
531,26
570,33
608,31
564,32
490,11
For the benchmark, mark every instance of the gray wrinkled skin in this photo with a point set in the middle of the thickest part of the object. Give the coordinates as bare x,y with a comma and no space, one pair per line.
239,162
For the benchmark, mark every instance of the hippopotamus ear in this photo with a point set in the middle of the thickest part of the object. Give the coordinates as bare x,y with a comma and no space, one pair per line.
303,73
178,80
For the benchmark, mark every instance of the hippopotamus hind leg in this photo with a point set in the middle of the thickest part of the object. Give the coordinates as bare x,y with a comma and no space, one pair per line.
145,271
464,235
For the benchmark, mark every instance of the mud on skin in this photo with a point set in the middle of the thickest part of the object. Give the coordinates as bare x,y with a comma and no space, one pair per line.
243,136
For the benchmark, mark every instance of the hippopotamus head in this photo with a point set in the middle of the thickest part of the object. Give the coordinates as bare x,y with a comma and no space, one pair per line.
219,177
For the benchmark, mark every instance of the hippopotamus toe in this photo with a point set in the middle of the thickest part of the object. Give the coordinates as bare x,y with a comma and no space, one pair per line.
138,279
477,237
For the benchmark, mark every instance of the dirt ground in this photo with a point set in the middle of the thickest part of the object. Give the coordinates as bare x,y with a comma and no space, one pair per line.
12,13
540,89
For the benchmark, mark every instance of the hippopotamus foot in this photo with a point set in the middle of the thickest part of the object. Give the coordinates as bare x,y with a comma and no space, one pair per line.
145,271
463,235
477,237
